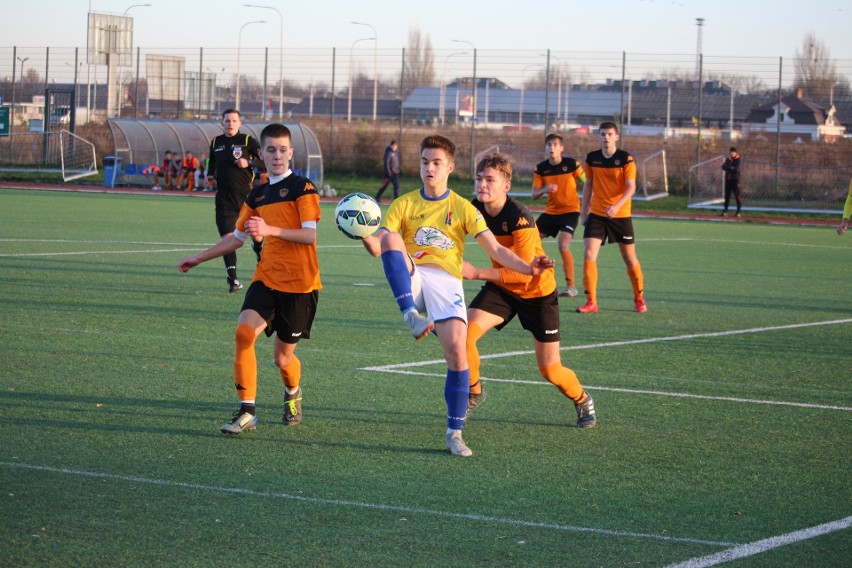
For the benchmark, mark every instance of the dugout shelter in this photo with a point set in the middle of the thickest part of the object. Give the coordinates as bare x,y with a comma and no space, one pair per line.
140,143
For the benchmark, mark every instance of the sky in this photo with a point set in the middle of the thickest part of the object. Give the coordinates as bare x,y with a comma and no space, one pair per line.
731,27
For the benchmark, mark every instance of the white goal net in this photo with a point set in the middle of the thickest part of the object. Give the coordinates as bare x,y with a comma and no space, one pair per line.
651,174
58,151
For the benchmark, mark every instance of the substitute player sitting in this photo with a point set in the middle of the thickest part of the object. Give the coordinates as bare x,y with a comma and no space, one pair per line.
507,293
283,295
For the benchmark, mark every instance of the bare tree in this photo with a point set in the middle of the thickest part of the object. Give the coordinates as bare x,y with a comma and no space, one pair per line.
816,72
419,61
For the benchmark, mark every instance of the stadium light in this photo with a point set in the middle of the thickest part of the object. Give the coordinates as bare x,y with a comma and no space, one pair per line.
239,47
280,59
831,95
24,60
357,41
136,6
474,109
375,66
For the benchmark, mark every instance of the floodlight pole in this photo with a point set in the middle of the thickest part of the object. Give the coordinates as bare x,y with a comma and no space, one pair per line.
375,66
280,59
134,6
351,49
473,110
239,47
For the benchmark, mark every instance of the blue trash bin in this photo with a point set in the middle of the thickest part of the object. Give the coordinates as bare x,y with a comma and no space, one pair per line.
112,170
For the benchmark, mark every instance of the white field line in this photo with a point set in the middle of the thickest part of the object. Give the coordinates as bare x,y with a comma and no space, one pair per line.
760,546
359,504
402,368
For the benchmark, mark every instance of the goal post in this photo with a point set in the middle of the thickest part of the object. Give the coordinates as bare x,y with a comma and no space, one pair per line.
768,186
77,156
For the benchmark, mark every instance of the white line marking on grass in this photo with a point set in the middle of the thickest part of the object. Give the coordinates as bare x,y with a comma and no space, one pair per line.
361,504
77,253
400,368
760,546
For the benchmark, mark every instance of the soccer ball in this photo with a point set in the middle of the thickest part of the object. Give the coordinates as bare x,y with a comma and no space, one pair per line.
357,215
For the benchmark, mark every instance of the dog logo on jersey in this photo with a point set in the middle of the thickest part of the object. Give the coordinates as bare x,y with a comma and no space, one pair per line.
237,151
432,237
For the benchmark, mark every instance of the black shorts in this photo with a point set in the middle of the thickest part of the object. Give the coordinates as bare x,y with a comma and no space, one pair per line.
619,230
288,314
539,316
550,225
226,220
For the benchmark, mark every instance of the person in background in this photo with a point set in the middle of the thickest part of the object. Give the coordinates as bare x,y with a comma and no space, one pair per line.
391,170
283,296
507,293
164,172
731,166
201,173
847,212
188,167
606,215
557,178
233,155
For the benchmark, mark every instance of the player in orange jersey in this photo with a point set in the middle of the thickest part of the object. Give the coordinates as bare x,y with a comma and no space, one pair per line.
283,295
607,193
556,178
507,293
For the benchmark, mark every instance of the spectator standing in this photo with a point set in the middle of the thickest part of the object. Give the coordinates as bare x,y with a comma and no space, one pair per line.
731,166
391,171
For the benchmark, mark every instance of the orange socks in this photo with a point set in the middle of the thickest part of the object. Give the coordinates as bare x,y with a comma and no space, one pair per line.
291,373
568,267
563,379
474,332
245,364
590,280
636,280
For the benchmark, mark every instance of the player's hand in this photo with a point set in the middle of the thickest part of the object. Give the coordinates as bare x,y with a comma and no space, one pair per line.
841,228
550,188
539,264
186,263
257,227
468,271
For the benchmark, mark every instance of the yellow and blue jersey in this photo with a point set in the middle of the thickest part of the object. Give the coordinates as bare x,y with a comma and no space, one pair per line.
434,229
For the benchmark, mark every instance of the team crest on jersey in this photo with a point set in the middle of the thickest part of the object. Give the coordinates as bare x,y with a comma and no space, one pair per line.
449,218
618,162
284,191
504,227
238,152
432,237
564,168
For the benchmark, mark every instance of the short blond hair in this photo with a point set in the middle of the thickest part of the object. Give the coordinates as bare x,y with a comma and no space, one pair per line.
498,162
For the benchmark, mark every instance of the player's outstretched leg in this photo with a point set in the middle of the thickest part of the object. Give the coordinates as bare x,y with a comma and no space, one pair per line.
586,417
244,420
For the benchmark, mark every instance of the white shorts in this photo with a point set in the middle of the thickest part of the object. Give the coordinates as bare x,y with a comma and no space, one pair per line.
438,293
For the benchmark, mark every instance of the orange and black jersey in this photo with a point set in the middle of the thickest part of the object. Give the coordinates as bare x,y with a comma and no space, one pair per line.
564,175
608,177
285,266
514,228
232,181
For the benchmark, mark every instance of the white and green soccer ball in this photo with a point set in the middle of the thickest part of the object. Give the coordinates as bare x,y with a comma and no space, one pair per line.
357,215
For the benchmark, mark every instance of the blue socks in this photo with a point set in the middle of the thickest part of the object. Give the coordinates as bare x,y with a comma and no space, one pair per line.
396,272
456,389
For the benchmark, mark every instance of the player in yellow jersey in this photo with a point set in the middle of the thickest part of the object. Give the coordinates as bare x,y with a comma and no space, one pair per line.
607,193
421,243
282,298
507,293
556,178
847,212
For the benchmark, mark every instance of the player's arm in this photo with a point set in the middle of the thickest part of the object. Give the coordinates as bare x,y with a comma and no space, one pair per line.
524,247
629,190
509,259
211,163
588,188
847,213
538,188
257,227
228,244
